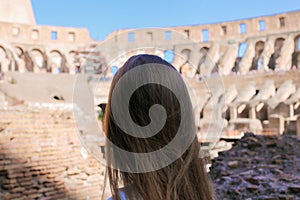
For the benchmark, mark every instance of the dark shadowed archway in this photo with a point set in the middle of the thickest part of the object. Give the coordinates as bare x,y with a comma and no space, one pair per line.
296,53
256,62
277,50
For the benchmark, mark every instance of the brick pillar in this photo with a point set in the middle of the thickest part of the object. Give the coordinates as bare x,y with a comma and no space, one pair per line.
252,113
277,122
298,126
233,112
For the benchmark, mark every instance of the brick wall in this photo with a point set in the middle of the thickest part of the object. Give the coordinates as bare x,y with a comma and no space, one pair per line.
41,157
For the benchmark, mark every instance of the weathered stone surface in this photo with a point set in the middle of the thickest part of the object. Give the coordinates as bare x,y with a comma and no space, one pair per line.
283,93
233,164
258,167
266,91
16,11
246,124
298,126
40,157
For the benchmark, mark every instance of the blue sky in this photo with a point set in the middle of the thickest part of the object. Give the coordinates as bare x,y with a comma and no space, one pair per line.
103,17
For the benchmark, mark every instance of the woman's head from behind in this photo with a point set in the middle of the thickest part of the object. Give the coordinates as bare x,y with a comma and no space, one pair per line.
152,143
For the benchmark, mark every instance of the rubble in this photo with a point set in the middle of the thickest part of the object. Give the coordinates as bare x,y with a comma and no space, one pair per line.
258,167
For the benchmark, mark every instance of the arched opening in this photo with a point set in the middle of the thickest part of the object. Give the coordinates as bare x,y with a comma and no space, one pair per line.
186,53
2,57
58,62
183,69
28,61
20,53
243,111
297,43
261,111
204,50
225,110
75,61
241,52
256,62
38,58
72,57
203,54
277,49
55,58
296,53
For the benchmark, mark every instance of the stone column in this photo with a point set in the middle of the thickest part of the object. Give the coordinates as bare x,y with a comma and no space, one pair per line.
252,113
298,126
226,63
285,58
267,52
247,58
210,60
292,113
277,122
233,112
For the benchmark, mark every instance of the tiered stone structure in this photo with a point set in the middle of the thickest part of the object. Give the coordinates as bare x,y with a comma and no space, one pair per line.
270,42
262,43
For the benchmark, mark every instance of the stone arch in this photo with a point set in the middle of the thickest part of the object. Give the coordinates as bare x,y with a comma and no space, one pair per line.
73,61
72,56
277,50
184,67
58,62
39,60
55,60
241,52
64,64
5,59
186,53
2,58
9,60
267,52
297,43
19,51
257,62
20,64
204,49
296,53
203,53
29,64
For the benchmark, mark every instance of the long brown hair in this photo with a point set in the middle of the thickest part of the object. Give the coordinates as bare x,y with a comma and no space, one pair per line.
183,179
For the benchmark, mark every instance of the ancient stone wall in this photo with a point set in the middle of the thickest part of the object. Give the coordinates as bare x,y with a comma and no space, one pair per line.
43,35
16,11
273,24
41,157
261,43
41,49
249,44
252,102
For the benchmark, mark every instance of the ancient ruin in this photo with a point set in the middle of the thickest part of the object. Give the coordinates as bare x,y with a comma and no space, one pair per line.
243,76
